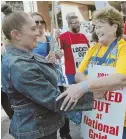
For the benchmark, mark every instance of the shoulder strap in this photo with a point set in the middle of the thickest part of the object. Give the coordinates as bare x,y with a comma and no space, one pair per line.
48,45
102,60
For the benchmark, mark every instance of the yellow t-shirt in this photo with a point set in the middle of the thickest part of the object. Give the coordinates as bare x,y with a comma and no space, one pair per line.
120,64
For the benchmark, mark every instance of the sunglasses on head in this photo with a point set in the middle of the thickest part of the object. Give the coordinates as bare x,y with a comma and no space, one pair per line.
41,22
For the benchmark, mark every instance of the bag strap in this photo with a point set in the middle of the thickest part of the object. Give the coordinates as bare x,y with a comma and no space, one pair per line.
48,44
112,45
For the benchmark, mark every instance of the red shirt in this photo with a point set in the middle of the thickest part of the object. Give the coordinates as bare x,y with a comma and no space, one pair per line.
125,28
66,40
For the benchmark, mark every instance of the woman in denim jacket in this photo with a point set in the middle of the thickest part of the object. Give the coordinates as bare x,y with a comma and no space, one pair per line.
30,81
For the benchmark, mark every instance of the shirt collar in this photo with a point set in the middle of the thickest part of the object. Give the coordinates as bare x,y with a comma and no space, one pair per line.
19,51
25,53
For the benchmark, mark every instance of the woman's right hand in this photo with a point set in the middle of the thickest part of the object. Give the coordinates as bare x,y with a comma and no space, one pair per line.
71,96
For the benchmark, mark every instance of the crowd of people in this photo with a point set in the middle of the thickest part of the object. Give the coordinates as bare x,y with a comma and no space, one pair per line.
38,102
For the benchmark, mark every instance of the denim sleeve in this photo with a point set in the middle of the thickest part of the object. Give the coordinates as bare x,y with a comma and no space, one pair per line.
29,81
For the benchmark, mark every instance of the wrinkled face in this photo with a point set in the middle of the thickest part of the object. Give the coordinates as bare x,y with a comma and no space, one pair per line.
40,23
28,35
75,25
105,32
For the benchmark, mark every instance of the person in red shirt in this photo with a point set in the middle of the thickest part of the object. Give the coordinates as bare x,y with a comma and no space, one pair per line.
74,45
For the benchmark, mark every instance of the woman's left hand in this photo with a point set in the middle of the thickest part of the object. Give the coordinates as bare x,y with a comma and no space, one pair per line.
72,95
59,54
51,57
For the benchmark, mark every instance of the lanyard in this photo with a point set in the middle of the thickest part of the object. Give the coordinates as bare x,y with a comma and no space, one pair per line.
111,46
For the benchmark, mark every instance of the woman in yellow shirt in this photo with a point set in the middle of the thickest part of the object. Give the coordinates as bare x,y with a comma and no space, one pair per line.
109,52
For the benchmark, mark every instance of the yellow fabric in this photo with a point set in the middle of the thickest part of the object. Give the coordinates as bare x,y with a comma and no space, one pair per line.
121,58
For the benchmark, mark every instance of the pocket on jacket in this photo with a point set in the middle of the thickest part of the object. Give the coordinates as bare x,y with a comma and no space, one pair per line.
40,114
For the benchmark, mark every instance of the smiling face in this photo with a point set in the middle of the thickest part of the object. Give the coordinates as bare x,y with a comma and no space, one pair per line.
106,33
40,23
27,37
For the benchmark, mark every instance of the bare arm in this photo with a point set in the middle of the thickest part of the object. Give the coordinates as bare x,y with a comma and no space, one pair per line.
97,86
108,83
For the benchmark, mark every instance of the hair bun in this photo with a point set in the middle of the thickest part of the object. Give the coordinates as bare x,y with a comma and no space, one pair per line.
6,9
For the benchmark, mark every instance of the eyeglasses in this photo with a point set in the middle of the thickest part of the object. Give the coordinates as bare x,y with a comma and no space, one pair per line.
41,22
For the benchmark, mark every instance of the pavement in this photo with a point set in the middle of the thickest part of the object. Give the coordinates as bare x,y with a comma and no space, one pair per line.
5,123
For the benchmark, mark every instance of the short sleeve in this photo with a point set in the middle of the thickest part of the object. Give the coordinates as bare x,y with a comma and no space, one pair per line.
121,61
86,40
61,42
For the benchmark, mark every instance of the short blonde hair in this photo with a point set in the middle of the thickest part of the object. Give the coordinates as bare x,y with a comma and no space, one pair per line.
112,16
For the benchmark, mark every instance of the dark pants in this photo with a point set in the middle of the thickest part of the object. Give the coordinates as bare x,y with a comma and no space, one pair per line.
52,136
6,104
66,127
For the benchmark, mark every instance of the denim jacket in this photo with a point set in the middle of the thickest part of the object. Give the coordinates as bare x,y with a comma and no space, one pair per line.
31,85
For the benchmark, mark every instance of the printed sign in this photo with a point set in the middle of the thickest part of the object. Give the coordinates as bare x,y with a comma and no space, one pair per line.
106,120
85,29
79,51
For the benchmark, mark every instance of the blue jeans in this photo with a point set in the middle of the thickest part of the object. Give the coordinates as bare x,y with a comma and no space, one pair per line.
71,78
124,133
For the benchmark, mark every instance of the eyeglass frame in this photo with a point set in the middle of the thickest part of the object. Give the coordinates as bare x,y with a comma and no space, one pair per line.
76,23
